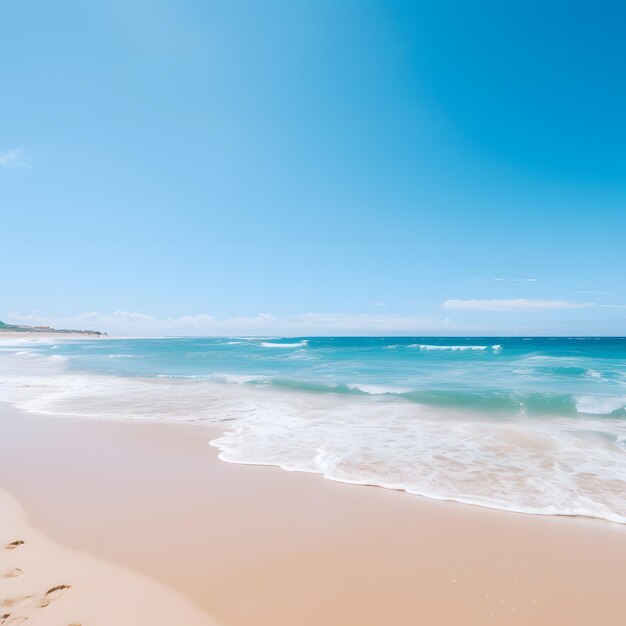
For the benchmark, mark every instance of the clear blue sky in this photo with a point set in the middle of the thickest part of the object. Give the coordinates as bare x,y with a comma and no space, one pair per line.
338,166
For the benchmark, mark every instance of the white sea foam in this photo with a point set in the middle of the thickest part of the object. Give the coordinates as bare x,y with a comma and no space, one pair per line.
298,344
377,390
240,379
255,338
186,376
594,374
551,467
26,341
557,360
599,405
423,346
41,360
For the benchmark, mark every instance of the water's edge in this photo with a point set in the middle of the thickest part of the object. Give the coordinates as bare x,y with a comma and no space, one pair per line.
523,447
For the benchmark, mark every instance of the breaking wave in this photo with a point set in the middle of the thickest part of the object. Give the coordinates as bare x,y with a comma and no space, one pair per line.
298,344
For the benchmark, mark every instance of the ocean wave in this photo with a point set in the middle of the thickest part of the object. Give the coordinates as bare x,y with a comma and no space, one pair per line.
600,405
41,359
461,348
254,339
570,360
377,390
593,374
26,342
240,379
186,376
493,402
298,344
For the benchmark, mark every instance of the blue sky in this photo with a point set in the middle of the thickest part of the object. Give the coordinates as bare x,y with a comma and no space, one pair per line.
191,167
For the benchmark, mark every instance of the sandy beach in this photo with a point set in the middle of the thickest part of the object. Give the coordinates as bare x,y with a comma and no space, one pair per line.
142,518
313,313
43,582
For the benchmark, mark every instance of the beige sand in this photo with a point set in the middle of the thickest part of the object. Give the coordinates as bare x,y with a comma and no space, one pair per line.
258,546
44,583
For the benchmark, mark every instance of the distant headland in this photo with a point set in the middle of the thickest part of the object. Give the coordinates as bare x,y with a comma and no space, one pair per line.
22,328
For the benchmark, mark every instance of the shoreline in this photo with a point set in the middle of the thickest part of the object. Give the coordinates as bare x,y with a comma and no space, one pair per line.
429,442
257,545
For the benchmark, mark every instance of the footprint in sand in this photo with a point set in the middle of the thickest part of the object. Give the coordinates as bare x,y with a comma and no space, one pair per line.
18,602
13,621
54,593
31,600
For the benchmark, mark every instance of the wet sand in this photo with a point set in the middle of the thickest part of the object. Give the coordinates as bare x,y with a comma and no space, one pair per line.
259,546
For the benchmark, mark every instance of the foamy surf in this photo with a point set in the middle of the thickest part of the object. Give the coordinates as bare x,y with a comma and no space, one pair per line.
558,467
600,405
378,390
516,426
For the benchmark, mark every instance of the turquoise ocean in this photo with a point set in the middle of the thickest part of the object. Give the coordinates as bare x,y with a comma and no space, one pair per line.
526,424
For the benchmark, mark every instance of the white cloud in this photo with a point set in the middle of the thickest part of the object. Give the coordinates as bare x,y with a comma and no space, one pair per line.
132,323
378,304
16,157
514,304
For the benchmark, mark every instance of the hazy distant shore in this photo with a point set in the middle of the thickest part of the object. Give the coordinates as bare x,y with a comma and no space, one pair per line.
45,334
